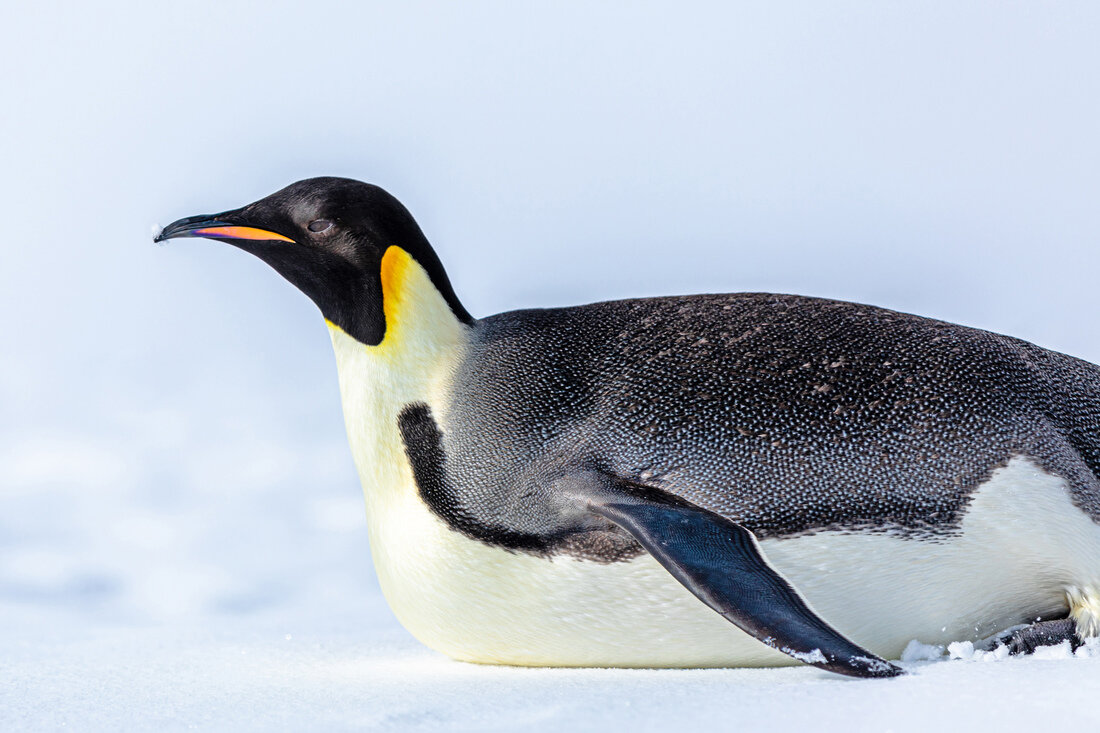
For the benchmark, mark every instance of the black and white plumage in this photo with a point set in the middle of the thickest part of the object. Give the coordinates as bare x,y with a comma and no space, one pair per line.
575,486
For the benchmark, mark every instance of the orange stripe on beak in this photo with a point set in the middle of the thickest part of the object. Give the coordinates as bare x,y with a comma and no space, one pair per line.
241,233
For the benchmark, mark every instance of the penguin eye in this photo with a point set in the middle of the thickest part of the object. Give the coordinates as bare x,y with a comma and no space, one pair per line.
320,225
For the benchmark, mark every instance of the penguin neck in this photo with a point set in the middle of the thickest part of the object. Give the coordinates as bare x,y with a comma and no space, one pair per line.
423,345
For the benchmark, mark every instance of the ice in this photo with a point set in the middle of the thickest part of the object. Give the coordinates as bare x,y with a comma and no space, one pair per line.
1091,648
961,650
1055,651
915,651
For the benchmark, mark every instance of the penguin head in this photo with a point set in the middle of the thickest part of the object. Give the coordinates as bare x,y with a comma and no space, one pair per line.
328,236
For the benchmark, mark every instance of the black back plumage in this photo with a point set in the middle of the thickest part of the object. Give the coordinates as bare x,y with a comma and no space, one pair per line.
785,414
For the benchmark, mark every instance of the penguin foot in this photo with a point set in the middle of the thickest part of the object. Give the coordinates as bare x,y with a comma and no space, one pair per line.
1041,633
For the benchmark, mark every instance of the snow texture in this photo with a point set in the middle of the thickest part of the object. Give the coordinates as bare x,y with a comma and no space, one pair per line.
337,672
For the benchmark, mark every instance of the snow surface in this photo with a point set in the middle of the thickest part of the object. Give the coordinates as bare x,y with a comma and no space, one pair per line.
349,673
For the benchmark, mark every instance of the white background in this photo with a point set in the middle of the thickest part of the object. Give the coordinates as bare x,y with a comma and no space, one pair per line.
176,496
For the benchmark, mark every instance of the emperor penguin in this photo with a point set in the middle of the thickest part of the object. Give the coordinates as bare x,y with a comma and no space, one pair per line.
700,481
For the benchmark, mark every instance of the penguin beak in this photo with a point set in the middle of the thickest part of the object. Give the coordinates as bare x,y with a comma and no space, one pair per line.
215,227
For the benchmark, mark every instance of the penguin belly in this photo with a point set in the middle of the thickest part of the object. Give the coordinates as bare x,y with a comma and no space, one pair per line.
1021,548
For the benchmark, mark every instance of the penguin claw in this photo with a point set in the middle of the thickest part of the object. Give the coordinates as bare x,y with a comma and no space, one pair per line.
1041,633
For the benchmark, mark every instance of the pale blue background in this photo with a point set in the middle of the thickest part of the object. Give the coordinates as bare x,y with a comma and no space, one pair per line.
171,444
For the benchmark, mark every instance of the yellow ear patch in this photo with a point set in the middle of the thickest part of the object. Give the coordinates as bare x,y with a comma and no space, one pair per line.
418,319
396,265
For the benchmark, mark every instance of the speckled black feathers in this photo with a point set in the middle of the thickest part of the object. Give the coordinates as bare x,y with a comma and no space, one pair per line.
785,414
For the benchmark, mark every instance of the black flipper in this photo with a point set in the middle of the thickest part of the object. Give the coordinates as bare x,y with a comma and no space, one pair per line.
721,563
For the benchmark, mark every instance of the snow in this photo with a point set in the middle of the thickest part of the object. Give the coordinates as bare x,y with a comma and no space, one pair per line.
971,652
915,651
814,655
353,673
